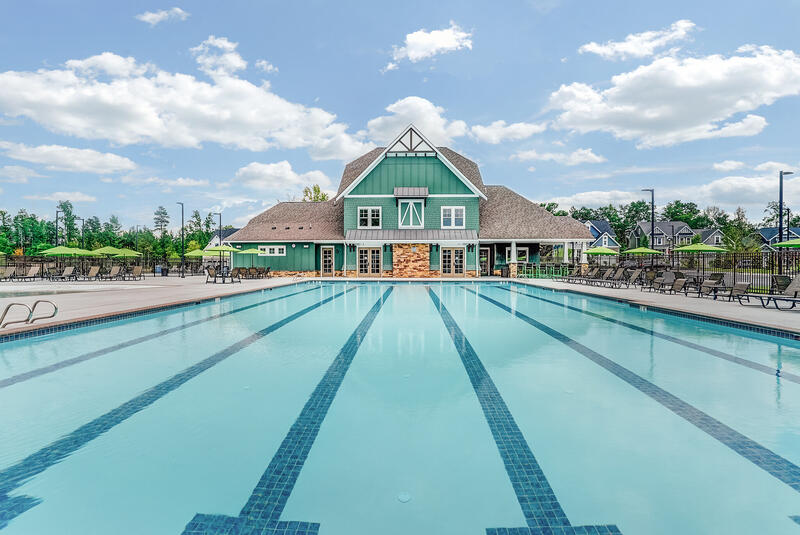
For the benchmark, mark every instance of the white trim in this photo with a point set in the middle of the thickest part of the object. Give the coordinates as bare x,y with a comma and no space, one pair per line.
452,217
390,196
369,259
527,255
369,217
264,250
384,195
441,271
382,155
537,240
333,260
411,203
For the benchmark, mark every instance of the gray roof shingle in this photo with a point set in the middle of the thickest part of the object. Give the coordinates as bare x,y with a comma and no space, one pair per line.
295,221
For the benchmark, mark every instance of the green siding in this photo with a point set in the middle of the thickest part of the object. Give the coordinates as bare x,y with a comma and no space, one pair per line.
434,258
298,258
389,211
338,256
410,172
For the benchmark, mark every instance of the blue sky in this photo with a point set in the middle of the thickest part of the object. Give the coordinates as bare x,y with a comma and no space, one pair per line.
233,106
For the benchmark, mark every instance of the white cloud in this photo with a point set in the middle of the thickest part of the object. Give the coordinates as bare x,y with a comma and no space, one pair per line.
137,104
266,66
278,179
640,45
56,196
60,158
774,167
594,199
423,44
165,182
675,100
423,113
576,157
17,174
499,131
154,17
728,165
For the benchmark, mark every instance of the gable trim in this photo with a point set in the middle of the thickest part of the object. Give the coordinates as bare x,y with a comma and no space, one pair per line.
441,157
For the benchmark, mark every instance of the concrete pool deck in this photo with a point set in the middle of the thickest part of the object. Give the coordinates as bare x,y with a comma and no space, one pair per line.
81,302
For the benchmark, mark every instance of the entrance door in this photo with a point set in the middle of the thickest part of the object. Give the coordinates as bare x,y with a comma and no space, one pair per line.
369,261
452,261
484,261
327,261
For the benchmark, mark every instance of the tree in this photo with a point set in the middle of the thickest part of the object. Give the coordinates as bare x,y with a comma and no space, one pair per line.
583,213
739,235
67,220
688,212
161,219
314,194
552,207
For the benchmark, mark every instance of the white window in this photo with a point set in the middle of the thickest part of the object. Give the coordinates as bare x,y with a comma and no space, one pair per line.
659,241
411,214
717,239
452,217
522,254
369,217
605,241
271,250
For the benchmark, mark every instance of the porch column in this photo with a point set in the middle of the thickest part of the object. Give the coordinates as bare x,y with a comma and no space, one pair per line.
584,259
478,259
513,252
512,265
565,260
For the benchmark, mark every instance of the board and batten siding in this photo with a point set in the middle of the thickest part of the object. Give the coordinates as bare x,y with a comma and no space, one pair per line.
426,172
298,258
433,211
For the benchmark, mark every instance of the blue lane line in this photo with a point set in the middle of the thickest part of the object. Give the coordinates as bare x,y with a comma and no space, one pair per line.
769,461
122,345
15,475
542,511
709,351
261,514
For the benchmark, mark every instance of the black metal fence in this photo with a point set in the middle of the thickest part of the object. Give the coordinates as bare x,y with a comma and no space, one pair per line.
756,268
151,265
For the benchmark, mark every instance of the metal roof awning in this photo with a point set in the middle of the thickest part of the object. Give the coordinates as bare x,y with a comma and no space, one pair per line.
410,193
411,235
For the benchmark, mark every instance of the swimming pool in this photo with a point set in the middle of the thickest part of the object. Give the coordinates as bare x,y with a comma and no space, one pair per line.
362,408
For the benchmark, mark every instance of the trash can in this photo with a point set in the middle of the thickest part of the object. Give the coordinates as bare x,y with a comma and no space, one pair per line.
165,271
157,270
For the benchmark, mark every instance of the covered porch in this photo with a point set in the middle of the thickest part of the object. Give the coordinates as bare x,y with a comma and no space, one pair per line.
509,258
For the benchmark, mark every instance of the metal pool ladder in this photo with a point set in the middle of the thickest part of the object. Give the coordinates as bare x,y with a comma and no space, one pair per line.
31,310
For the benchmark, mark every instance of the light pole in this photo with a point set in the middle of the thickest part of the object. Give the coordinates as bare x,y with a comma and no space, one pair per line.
781,174
136,239
652,220
183,249
219,234
56,237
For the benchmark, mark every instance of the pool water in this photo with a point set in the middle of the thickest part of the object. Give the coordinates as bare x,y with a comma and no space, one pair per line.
362,408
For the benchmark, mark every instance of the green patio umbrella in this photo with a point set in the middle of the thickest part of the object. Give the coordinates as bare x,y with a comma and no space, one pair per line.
602,251
197,253
642,250
789,243
127,253
59,251
84,252
250,252
699,248
222,249
107,251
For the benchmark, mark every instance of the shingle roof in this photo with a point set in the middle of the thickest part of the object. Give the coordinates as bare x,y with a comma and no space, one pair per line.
411,193
603,226
664,226
508,215
225,233
467,167
297,221
769,233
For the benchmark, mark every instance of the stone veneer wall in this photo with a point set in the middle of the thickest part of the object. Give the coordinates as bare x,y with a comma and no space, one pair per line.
407,263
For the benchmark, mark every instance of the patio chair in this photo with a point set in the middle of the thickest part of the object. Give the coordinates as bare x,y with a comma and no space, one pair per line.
633,278
8,274
135,274
235,275
604,277
616,279
261,272
572,273
779,283
679,285
738,291
113,274
268,272
648,280
707,287
790,295
33,272
211,275
67,275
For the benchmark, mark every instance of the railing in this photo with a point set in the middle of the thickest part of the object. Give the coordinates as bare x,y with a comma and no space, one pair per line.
30,318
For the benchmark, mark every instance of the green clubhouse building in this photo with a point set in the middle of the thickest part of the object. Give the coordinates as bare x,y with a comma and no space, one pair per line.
409,209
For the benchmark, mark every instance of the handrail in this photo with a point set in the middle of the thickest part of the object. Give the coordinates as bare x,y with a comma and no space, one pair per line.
31,319
5,313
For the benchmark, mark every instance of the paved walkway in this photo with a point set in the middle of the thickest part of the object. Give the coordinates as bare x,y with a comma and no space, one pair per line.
752,314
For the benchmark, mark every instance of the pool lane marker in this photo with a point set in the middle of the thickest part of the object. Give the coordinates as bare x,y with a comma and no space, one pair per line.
542,511
766,459
261,514
708,350
32,465
123,345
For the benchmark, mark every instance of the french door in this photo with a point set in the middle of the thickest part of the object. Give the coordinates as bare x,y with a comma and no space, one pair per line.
369,261
326,261
452,261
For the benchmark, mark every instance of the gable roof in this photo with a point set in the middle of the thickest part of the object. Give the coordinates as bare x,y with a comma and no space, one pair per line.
295,221
507,215
664,226
602,227
224,234
465,169
770,233
706,233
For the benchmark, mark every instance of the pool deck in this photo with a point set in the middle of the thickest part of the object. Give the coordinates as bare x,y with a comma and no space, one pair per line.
89,301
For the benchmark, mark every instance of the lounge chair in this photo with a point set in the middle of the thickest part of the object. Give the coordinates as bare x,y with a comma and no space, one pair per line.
604,277
633,278
268,273
708,287
33,272
94,271
664,281
679,285
113,274
592,273
135,274
572,273
235,275
67,275
616,279
738,291
790,295
211,275
648,280
9,273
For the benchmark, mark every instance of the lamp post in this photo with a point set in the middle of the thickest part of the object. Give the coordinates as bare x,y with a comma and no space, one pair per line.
219,234
652,220
781,174
183,248
56,236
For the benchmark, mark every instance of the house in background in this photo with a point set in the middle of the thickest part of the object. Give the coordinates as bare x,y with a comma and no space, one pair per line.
224,234
710,236
668,235
604,236
769,236
409,209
